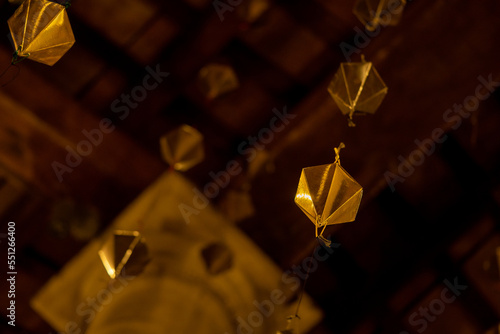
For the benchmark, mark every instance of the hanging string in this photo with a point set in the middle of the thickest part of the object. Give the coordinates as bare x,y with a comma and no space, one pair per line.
319,222
15,60
13,77
303,287
337,152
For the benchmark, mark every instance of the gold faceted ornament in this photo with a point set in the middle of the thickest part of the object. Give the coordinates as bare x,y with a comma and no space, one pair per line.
125,252
357,89
216,80
328,195
373,13
40,31
182,148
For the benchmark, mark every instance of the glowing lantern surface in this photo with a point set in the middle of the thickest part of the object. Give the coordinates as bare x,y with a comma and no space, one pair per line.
357,88
328,195
124,252
40,31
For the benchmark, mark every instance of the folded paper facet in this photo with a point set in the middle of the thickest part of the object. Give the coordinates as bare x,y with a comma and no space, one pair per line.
373,13
124,252
357,88
182,148
328,195
40,31
216,80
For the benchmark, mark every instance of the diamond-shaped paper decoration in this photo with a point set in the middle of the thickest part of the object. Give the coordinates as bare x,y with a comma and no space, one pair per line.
41,31
357,88
373,13
328,195
216,80
124,252
182,148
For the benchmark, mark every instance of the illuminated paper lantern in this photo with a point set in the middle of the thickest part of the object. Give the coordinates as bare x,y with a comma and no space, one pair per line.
124,252
216,80
373,13
328,195
40,31
357,89
182,148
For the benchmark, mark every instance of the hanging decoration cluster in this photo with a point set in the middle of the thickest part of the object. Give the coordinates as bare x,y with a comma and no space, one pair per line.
40,31
126,251
328,194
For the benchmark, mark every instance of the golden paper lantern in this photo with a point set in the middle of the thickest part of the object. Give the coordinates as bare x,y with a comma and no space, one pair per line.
216,80
328,195
357,89
373,13
124,252
41,31
182,148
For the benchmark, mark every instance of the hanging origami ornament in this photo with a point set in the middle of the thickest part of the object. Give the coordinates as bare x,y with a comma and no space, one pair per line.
216,80
357,89
182,148
40,31
373,13
125,252
328,195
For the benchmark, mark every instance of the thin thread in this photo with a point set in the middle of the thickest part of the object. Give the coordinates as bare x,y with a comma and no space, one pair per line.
304,287
13,77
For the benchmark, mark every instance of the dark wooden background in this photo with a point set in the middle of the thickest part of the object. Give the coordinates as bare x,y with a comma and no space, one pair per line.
441,223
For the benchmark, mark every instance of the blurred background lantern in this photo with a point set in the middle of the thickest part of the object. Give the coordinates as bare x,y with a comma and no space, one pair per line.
216,80
373,13
69,218
124,252
182,148
357,89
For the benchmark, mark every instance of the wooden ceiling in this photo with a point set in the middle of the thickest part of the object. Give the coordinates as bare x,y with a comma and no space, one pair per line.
440,223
